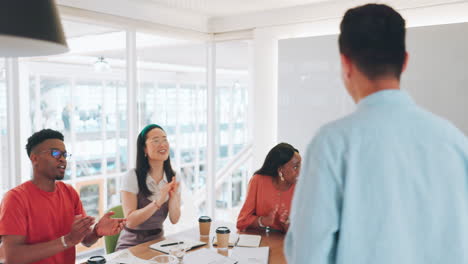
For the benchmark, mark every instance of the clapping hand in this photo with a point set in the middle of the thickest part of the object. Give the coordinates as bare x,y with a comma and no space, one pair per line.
108,226
284,219
269,220
174,188
80,228
168,190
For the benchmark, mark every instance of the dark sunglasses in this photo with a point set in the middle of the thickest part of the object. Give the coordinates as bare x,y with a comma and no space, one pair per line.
57,153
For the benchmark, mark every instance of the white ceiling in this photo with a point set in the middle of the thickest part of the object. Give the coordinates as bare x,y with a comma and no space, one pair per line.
218,8
220,16
74,29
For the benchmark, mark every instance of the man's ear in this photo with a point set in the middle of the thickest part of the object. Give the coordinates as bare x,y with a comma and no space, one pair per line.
33,157
346,66
405,62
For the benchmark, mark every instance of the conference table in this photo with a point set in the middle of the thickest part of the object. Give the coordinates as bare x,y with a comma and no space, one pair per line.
273,240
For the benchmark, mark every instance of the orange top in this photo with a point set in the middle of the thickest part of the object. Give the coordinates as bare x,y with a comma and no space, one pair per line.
262,198
41,216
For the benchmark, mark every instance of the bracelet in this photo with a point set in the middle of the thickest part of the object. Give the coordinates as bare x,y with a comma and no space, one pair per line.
95,231
64,243
259,221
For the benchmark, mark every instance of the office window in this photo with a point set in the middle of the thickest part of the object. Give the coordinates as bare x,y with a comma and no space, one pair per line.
83,94
172,94
4,171
232,84
231,194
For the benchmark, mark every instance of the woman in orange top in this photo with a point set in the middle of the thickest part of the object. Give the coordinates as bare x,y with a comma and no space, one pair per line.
271,190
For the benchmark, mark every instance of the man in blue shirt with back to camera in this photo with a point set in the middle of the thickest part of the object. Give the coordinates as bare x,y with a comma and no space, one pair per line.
388,183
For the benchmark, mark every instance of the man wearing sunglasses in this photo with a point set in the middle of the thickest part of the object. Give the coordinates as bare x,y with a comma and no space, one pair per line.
43,219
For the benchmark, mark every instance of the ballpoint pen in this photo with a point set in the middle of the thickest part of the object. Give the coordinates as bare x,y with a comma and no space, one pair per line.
172,244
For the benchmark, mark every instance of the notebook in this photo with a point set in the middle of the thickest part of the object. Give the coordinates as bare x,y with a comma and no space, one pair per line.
190,244
242,240
249,240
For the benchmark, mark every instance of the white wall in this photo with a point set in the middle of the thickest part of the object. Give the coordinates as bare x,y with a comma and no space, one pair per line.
264,95
437,74
310,91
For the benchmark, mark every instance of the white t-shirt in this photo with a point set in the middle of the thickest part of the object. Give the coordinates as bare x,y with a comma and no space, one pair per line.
130,184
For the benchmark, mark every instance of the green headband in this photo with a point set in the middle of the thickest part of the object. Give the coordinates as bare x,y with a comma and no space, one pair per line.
148,128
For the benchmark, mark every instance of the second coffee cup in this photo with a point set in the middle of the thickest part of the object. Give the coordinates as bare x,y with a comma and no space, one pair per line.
222,236
204,223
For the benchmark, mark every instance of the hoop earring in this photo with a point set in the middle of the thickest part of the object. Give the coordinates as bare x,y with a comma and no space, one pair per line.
281,176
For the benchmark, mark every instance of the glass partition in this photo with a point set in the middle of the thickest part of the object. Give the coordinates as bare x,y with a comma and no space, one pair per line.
232,86
4,170
172,94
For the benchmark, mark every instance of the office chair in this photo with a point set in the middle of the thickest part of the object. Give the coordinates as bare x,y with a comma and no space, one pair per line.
111,241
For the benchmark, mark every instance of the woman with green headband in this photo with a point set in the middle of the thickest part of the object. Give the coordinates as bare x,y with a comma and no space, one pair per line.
150,192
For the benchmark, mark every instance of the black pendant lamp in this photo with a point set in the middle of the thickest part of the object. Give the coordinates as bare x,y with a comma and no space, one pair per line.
30,28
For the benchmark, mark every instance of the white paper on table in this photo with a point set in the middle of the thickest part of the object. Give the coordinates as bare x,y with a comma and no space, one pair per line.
125,257
245,255
249,240
206,256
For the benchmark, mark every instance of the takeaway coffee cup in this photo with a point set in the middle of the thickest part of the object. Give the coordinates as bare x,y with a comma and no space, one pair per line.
204,223
222,235
96,260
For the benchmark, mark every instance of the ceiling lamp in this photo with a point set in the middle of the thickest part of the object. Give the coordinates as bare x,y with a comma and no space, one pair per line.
101,65
30,28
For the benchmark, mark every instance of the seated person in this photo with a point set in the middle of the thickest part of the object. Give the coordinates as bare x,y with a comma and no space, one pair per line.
149,192
43,219
271,190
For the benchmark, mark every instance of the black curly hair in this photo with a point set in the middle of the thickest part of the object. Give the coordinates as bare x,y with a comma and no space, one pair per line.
41,136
